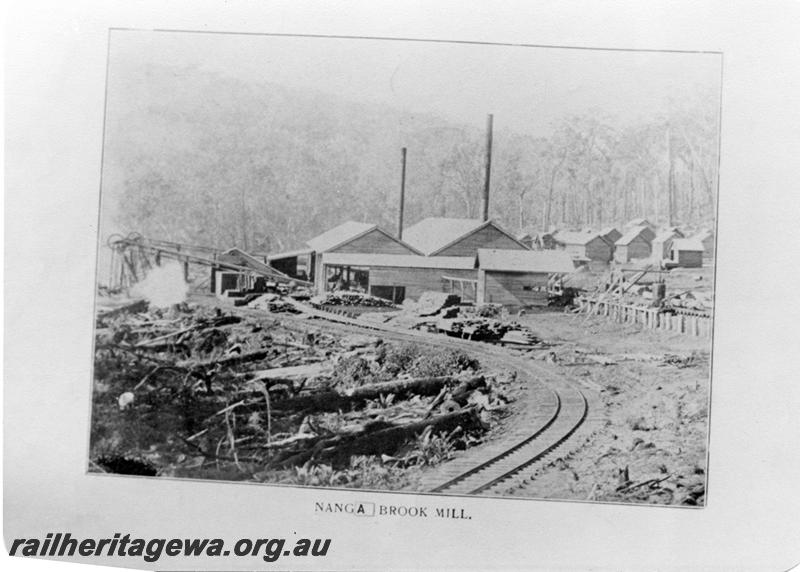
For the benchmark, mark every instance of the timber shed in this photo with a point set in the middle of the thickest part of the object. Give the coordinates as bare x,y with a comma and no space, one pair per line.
351,237
585,246
396,277
437,236
611,234
687,253
633,245
662,244
519,278
295,263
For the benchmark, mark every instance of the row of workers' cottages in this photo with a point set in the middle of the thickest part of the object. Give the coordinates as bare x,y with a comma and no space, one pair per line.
476,259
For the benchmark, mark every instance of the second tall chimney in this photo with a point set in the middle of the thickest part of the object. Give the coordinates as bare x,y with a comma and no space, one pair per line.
402,194
488,176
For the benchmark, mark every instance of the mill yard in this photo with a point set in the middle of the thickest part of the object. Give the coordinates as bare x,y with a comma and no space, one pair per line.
454,358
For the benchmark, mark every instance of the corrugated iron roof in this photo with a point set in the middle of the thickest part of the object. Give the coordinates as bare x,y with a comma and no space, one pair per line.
290,254
608,230
432,234
536,261
628,237
399,260
339,235
691,244
665,235
581,238
638,222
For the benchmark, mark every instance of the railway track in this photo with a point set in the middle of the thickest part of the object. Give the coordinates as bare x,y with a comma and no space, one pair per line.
556,408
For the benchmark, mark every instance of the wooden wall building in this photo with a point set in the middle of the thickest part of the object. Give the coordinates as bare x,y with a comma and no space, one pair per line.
687,253
662,244
519,278
588,247
633,245
478,260
351,237
397,277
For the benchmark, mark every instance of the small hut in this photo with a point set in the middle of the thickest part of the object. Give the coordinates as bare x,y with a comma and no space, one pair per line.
687,253
662,244
585,246
634,244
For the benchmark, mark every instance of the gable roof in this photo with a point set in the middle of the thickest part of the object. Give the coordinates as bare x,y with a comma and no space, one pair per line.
348,232
542,261
581,238
434,234
339,235
608,230
632,234
665,235
688,244
247,260
639,222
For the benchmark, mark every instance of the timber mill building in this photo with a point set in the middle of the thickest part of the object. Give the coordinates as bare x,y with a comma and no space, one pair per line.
476,259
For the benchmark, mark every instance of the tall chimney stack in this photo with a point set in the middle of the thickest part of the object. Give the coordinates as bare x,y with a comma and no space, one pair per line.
402,194
488,176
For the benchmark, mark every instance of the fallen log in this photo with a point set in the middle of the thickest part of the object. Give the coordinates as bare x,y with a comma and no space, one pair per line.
330,400
419,386
337,450
132,308
201,326
227,361
290,372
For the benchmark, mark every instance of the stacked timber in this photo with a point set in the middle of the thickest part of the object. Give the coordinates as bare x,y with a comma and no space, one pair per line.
348,298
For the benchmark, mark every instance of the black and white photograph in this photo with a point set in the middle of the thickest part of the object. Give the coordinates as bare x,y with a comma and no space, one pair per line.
407,266
448,285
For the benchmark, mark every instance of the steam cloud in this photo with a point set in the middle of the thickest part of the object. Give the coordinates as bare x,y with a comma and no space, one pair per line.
163,286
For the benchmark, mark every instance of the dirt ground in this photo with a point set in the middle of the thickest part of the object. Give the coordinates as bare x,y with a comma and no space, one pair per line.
650,444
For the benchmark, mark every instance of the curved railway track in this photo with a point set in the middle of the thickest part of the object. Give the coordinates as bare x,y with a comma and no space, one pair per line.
556,408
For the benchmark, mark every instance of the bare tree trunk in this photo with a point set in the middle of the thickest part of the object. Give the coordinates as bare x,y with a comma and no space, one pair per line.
553,175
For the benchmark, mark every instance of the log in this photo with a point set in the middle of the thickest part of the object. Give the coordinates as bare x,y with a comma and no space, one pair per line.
419,386
291,372
202,326
333,400
337,450
228,361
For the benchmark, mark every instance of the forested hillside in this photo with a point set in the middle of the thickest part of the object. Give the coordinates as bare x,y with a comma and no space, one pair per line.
207,159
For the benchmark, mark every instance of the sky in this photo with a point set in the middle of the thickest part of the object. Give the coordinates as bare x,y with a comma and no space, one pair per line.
526,88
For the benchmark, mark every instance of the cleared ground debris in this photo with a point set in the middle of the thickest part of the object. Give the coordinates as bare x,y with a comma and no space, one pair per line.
195,391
